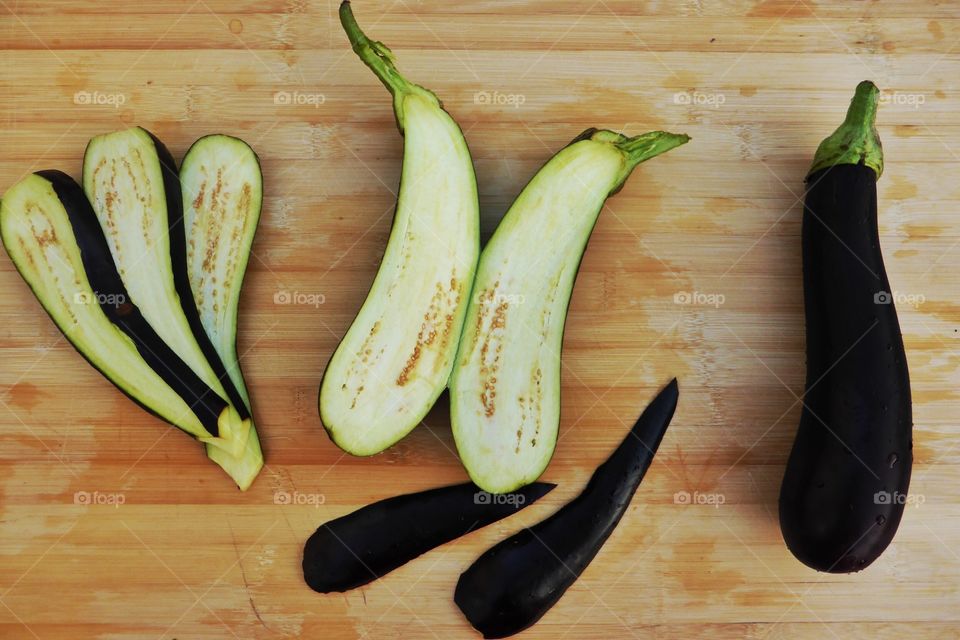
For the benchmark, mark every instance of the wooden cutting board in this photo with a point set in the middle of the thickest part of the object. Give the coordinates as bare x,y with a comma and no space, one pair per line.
178,552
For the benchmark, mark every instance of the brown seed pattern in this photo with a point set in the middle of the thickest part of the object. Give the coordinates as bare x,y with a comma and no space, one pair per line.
435,324
362,360
491,347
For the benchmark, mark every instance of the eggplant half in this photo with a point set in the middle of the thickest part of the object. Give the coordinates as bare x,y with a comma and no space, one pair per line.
505,386
360,547
222,189
516,582
395,359
54,239
846,480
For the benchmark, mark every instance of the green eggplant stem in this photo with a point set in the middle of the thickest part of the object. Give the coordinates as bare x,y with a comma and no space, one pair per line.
649,145
375,55
379,58
856,140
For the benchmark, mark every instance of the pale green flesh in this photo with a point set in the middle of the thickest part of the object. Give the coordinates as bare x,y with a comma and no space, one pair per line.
123,181
505,388
222,191
39,238
222,195
244,468
396,358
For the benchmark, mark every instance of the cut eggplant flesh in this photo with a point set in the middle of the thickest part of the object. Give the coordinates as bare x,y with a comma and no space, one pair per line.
131,182
222,195
395,359
505,387
54,240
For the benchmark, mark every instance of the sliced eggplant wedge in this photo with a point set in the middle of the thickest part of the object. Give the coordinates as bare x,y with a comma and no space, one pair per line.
131,181
222,189
395,359
55,241
369,543
505,387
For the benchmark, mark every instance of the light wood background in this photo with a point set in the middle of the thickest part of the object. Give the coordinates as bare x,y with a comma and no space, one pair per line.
757,85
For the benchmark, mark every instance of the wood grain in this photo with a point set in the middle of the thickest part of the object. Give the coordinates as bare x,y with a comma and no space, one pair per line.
756,84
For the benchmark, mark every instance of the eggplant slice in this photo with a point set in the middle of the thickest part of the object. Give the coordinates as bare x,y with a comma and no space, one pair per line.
54,240
222,189
369,543
222,195
395,359
516,582
505,387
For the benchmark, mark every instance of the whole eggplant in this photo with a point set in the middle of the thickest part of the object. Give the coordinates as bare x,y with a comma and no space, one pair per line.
846,480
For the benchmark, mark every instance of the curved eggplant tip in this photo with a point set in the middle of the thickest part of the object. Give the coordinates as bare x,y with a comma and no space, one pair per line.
535,490
493,622
668,394
833,547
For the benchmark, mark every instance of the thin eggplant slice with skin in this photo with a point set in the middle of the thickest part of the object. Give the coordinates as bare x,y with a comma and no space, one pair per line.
395,360
360,547
845,484
505,386
516,582
131,182
54,239
222,190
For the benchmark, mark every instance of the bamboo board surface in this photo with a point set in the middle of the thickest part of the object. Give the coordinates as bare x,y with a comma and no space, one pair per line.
756,84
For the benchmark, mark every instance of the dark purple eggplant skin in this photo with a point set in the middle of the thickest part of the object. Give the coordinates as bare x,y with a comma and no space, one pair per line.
360,547
849,471
516,582
181,277
104,279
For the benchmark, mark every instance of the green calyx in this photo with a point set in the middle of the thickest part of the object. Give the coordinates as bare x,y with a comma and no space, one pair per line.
856,140
636,149
379,58
649,145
